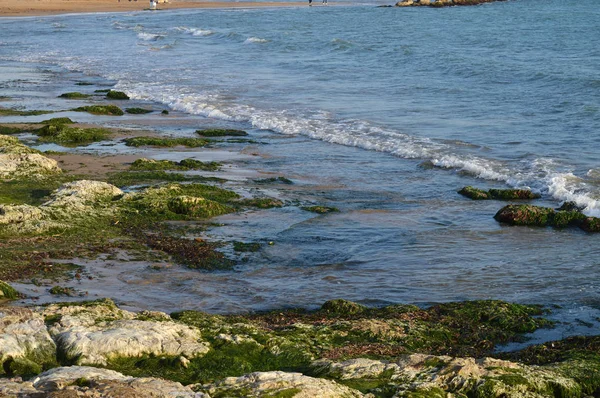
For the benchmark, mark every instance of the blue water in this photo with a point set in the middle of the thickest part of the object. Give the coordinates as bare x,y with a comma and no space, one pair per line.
352,100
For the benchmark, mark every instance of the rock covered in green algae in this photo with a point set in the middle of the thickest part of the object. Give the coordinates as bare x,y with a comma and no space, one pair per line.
185,164
85,381
166,142
321,209
221,133
279,384
197,207
110,110
94,334
7,291
117,95
545,216
138,111
74,95
62,134
499,194
20,161
73,201
25,344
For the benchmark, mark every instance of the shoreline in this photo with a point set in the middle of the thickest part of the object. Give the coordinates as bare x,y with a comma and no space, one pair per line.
341,349
16,8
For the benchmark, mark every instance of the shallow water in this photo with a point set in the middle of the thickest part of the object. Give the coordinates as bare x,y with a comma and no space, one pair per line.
350,101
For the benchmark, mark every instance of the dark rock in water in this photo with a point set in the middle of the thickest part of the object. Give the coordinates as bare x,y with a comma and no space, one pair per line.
474,193
117,95
591,224
511,194
525,215
545,216
499,194
570,206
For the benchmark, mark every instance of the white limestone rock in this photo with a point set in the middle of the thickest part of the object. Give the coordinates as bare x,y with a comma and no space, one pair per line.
18,160
108,383
261,384
93,334
24,337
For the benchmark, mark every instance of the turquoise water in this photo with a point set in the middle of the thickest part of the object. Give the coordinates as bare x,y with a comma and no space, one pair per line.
353,100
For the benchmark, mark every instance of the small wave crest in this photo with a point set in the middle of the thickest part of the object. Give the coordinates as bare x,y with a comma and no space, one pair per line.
194,31
541,175
149,36
256,40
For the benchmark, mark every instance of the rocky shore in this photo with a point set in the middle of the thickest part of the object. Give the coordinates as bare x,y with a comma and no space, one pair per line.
95,349
57,206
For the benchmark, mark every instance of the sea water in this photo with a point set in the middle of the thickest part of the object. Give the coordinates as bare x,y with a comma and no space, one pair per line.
383,113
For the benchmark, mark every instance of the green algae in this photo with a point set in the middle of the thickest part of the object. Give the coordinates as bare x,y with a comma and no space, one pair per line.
72,136
261,203
15,112
185,164
55,121
498,194
9,130
104,91
166,142
165,112
221,133
117,95
138,111
74,95
321,209
110,110
274,180
7,292
62,291
246,247
544,216
192,253
84,84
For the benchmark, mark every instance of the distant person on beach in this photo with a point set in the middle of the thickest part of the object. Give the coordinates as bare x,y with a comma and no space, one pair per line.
310,3
324,2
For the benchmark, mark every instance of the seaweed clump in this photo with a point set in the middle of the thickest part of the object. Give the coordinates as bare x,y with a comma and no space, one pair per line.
66,135
321,209
185,164
110,110
137,111
74,95
545,216
117,95
498,194
166,142
221,133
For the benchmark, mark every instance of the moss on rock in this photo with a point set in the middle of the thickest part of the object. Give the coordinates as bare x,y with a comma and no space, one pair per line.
7,292
321,209
221,133
544,216
498,194
185,164
166,142
117,95
138,111
72,136
110,110
74,95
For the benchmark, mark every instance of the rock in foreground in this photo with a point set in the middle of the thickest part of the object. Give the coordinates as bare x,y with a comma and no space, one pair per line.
544,216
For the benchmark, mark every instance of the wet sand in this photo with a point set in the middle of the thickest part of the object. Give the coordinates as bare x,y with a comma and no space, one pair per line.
24,8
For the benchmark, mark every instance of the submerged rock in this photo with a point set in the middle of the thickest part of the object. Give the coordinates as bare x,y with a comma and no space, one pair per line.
277,383
20,161
499,194
545,216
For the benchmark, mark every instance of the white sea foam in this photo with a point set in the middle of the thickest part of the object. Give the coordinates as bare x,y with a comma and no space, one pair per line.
148,36
256,40
194,31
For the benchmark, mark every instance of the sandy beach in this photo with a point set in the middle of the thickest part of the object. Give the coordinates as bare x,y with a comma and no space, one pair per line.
19,8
